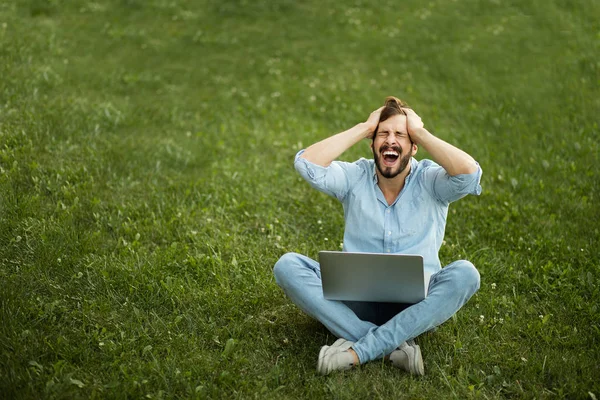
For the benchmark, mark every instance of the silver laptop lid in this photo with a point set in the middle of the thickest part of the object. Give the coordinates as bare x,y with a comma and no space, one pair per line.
394,278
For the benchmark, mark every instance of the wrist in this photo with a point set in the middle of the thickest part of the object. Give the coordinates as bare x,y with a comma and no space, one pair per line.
366,130
418,134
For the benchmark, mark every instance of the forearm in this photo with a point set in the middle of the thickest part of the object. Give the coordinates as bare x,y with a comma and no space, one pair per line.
452,159
324,152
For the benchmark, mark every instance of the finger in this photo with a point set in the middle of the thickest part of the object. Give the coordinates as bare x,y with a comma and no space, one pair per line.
408,111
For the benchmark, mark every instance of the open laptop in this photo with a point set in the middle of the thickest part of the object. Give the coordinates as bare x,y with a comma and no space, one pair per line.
393,278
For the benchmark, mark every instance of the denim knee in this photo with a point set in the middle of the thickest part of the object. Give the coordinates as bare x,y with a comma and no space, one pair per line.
284,267
469,276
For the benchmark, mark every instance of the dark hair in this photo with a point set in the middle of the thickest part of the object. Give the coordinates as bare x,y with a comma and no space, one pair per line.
393,106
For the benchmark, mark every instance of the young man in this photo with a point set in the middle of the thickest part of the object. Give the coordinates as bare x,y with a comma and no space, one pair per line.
392,204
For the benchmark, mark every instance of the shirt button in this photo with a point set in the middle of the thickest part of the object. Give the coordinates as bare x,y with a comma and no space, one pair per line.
388,250
387,211
389,233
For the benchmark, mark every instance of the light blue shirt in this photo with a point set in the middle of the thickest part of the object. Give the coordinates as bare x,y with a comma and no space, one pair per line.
413,224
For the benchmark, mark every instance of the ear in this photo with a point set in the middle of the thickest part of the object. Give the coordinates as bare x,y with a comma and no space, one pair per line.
415,148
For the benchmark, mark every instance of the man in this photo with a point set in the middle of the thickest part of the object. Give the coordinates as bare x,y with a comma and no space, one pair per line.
392,204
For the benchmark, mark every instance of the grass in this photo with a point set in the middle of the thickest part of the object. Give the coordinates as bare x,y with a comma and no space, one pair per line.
147,189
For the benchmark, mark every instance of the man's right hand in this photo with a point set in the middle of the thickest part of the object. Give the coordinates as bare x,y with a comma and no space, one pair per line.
323,153
372,122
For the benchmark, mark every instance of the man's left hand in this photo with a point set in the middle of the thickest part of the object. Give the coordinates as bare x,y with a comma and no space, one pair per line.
414,125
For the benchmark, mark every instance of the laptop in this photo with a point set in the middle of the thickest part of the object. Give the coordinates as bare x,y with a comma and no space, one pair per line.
393,278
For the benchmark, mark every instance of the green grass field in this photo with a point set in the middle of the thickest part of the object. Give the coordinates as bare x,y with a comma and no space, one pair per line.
147,189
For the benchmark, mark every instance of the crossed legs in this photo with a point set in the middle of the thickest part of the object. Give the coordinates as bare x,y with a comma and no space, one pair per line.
449,289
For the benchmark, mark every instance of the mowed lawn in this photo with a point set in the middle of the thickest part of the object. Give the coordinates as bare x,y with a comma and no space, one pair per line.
147,189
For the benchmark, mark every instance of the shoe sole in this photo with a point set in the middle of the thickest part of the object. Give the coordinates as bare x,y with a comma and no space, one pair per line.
339,345
415,361
320,360
418,368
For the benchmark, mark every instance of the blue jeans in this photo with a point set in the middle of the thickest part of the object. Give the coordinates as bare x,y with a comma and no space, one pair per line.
376,328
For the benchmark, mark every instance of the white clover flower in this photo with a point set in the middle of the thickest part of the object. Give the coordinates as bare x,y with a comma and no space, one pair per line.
481,319
493,286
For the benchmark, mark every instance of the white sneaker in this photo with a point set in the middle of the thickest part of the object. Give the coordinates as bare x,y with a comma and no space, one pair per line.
408,357
335,357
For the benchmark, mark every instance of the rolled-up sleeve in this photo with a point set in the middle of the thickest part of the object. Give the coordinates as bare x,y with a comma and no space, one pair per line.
332,180
447,188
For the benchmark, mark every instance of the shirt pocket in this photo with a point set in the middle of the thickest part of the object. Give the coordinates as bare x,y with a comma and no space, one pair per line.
415,219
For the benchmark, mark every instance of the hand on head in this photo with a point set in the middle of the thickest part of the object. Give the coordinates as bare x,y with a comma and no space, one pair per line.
373,121
413,122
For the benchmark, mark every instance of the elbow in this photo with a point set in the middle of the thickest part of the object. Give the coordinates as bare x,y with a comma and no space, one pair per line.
301,155
467,168
312,158
471,167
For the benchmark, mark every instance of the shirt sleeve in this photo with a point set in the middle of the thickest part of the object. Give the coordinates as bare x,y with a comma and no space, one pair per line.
447,188
333,180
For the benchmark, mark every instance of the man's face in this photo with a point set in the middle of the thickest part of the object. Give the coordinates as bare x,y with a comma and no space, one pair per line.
392,147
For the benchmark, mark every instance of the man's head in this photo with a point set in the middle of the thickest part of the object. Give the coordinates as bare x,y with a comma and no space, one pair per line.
392,146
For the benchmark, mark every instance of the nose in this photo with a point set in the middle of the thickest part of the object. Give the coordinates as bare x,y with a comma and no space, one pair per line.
390,139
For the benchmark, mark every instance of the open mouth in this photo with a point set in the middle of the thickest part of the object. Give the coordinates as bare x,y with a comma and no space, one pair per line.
390,157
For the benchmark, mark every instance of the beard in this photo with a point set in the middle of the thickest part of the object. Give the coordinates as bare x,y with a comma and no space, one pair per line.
391,172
